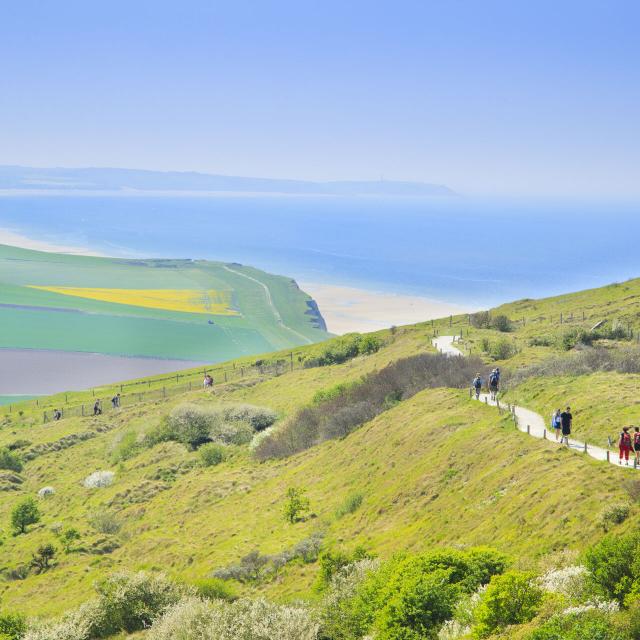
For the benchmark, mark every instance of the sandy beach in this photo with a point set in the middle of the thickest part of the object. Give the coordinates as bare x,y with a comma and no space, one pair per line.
9,237
348,309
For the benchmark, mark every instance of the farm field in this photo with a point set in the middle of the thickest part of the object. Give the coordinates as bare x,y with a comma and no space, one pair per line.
187,310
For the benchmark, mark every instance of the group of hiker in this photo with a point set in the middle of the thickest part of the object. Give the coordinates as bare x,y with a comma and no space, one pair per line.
562,421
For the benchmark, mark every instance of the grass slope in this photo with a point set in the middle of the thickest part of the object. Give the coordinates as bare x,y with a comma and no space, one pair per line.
264,312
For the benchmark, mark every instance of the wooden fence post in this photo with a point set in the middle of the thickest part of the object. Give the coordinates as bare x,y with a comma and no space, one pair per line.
585,447
528,428
608,456
544,434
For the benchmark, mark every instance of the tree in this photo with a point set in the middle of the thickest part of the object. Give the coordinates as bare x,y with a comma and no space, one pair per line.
12,626
68,537
296,506
24,514
42,558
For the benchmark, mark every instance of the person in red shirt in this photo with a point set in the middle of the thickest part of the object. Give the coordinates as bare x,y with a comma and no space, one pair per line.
636,444
624,443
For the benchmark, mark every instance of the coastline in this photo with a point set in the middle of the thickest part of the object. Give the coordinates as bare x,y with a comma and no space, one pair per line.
346,309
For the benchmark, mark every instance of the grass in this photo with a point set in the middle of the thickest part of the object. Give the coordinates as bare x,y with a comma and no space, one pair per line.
77,303
437,469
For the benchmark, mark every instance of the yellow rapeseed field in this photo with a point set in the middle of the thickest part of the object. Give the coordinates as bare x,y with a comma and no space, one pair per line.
209,301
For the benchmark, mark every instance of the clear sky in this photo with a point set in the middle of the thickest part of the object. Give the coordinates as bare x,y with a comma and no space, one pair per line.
486,96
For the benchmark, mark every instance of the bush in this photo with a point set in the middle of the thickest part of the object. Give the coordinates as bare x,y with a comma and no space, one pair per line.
214,589
12,625
351,504
237,433
104,521
68,537
45,492
345,348
260,418
481,320
24,514
614,514
501,323
195,619
296,506
126,446
588,625
614,563
41,560
9,460
334,561
99,480
346,409
510,598
190,424
502,350
212,454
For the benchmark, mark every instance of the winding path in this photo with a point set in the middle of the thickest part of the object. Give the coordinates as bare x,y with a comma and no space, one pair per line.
270,302
531,422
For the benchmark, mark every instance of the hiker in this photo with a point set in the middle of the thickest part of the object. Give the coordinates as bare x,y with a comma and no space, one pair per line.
556,423
624,444
636,444
494,382
477,385
115,401
208,381
566,420
57,414
97,408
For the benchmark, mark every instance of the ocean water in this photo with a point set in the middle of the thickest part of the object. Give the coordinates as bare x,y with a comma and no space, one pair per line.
476,253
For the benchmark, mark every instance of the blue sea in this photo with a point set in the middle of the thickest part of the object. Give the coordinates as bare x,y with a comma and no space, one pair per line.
472,252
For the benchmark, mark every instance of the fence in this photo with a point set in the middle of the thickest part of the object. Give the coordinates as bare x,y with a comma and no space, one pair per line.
132,393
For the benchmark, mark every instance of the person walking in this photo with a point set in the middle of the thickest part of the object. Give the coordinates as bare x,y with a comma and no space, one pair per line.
57,414
115,401
97,408
477,385
636,444
624,444
494,382
566,422
556,423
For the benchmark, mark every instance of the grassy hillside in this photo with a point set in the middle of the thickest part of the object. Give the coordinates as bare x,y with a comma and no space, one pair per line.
432,470
183,309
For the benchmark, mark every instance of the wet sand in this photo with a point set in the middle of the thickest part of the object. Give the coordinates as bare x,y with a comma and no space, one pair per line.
348,309
34,372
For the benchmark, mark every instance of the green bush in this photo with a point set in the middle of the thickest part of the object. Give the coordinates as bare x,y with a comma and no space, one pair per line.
614,514
214,589
24,513
510,598
126,447
260,418
586,625
296,506
345,348
502,350
104,521
501,323
614,563
190,424
12,626
9,460
333,560
212,454
351,504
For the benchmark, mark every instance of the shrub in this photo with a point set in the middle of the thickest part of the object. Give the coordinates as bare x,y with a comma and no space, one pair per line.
501,323
12,626
68,537
260,418
345,348
212,454
104,521
24,514
333,561
296,506
342,412
510,598
77,625
237,433
614,563
9,460
214,589
589,625
613,514
480,320
42,558
99,479
195,619
45,492
351,504
190,424
502,350
131,601
126,446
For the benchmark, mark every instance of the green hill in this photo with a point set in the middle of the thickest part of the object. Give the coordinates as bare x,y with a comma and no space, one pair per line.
432,469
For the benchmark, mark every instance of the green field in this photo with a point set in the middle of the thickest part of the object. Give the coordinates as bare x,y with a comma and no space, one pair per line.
430,471
264,312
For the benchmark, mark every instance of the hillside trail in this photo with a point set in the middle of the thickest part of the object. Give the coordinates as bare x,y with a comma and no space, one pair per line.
272,306
531,422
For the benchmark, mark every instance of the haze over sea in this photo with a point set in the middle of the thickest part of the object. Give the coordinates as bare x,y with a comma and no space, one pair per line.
475,253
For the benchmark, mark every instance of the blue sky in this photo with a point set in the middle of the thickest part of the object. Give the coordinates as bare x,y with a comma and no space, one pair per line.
489,97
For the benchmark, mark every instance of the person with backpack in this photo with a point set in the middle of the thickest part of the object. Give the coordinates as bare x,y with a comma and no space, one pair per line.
57,414
556,423
624,444
115,401
636,444
494,382
566,422
97,408
477,385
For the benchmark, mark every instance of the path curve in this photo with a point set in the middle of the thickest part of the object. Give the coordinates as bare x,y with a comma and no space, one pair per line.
270,302
529,421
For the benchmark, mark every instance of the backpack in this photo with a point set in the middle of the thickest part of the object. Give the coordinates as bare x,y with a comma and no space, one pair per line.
477,383
493,379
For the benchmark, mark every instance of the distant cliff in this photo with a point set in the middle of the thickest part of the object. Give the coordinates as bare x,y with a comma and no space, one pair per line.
96,179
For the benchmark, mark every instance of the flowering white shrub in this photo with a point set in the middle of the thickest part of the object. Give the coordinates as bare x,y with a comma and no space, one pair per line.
99,479
606,606
195,619
260,436
569,581
77,625
45,492
452,630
